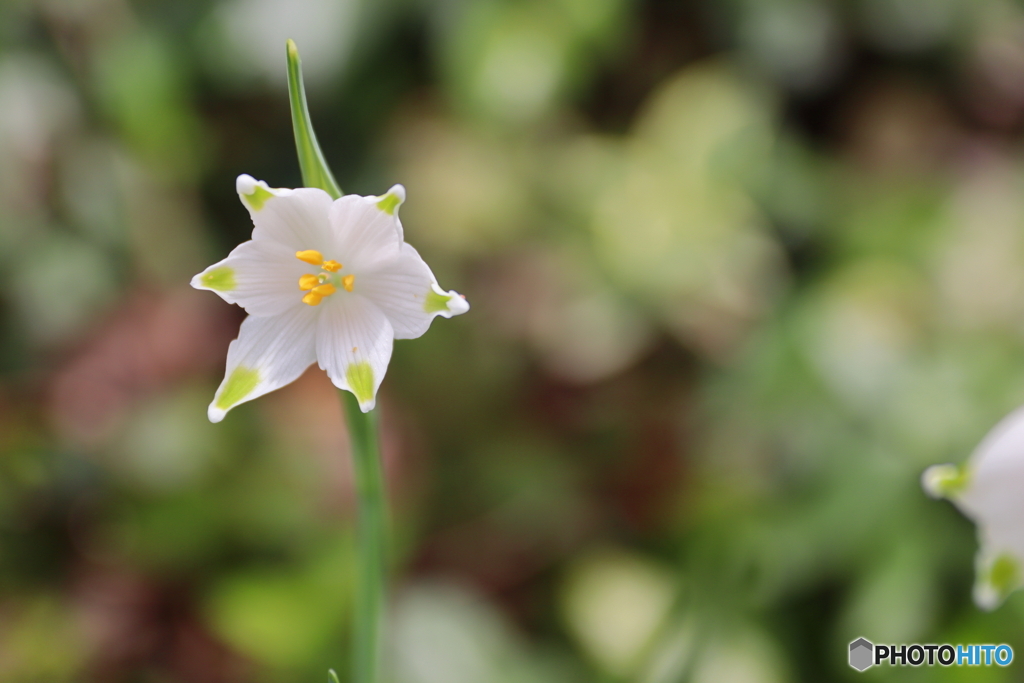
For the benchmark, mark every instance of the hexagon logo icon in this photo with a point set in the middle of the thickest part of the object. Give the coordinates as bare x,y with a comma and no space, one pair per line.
862,653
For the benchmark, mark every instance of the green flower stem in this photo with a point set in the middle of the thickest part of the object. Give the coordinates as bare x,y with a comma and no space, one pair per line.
371,523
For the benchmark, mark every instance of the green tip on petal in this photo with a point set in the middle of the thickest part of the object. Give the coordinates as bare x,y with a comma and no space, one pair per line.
360,381
1004,574
240,384
435,302
389,203
332,677
258,197
221,279
254,193
945,481
996,581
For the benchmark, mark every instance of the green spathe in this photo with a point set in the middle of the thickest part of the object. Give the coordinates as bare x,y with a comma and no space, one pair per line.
315,172
360,380
436,302
219,279
239,385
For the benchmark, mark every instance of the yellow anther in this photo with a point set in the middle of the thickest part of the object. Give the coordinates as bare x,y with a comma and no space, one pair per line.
312,299
311,256
331,266
324,290
308,282
348,282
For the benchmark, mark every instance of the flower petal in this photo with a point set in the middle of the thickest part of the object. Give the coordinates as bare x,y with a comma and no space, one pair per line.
987,490
269,353
367,230
261,276
990,494
389,203
353,344
405,289
298,218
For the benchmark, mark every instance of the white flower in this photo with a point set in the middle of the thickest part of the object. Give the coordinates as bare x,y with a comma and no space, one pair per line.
989,489
326,281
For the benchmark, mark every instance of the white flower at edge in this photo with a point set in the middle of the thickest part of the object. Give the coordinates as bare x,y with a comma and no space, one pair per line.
326,281
989,489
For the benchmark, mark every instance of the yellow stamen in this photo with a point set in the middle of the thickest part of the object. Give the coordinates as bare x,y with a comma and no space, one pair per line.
347,282
310,256
308,282
312,299
324,290
331,266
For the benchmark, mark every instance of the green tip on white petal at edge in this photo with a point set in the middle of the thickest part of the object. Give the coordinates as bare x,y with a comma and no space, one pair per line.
443,303
360,382
389,203
996,579
332,677
254,193
945,481
219,279
239,384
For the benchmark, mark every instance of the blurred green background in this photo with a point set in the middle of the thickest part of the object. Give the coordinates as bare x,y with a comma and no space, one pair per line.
740,270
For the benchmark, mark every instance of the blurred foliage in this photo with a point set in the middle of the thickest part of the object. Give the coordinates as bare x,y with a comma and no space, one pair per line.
739,271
